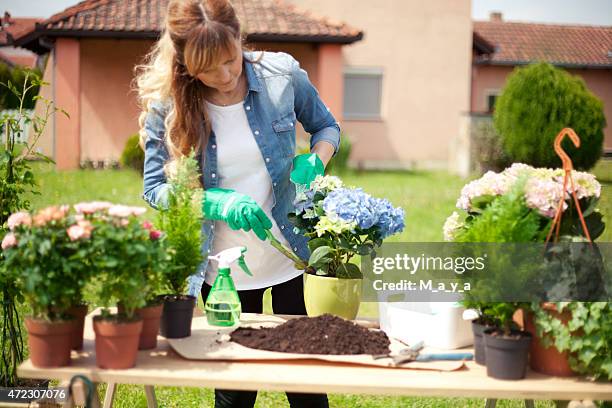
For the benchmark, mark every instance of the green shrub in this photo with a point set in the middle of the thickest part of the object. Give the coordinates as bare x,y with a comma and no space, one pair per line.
17,76
537,102
339,162
133,155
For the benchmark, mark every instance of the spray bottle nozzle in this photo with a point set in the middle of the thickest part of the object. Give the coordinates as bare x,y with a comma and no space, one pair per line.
228,256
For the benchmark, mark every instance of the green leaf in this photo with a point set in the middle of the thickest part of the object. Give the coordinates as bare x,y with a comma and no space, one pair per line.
349,271
320,256
317,242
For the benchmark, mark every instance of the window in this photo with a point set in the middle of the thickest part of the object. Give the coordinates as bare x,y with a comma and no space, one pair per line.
491,99
362,93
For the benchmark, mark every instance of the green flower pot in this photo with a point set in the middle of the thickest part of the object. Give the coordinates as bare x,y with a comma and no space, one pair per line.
340,297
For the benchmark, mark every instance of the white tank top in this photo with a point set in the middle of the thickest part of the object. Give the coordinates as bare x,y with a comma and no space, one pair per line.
241,167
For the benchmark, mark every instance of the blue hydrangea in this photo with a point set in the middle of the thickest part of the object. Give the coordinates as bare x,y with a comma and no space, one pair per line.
390,219
354,205
303,201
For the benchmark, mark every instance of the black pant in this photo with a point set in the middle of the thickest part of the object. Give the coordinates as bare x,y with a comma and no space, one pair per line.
287,298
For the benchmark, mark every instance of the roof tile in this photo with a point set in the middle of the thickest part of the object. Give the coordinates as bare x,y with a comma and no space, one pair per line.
258,18
566,45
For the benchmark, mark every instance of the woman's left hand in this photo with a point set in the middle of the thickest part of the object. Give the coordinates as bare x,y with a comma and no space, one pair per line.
306,167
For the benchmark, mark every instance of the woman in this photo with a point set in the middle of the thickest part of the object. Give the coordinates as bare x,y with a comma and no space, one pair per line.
200,90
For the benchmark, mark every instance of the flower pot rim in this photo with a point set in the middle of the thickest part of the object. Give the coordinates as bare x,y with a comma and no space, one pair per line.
67,319
183,297
332,277
116,319
522,333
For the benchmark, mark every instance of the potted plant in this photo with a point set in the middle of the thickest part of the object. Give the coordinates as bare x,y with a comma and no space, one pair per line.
181,222
123,253
17,180
581,332
506,347
151,312
151,265
48,255
340,223
517,205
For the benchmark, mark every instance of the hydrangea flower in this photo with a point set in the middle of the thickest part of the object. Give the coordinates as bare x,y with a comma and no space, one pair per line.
585,184
490,184
354,205
390,219
333,224
544,195
303,201
326,183
451,226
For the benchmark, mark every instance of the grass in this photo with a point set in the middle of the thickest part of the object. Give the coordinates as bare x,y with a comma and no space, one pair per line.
427,197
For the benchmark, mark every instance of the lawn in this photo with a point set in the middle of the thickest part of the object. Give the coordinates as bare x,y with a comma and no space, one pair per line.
427,197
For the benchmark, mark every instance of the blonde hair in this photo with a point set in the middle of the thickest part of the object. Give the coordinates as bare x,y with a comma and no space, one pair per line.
195,34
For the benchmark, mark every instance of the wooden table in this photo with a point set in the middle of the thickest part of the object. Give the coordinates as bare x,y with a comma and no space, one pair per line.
163,367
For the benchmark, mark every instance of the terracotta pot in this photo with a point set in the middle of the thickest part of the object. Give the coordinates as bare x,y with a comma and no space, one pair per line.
49,342
151,317
78,312
177,316
116,342
548,360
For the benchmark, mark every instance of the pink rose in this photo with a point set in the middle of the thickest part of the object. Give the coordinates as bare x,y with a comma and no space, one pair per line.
76,232
9,241
48,214
155,235
147,225
91,207
126,211
19,218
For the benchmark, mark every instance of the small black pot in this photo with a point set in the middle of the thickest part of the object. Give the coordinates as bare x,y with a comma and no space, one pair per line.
506,357
479,347
176,317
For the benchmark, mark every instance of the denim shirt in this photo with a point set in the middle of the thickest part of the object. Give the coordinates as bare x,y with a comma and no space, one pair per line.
279,93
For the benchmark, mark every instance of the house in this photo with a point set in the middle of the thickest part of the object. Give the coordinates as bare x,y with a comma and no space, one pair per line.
407,83
581,50
95,44
11,28
406,92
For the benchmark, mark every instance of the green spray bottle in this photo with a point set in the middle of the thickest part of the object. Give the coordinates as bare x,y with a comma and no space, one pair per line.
223,304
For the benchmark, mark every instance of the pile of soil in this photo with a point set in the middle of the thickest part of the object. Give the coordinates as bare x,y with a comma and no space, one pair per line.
324,334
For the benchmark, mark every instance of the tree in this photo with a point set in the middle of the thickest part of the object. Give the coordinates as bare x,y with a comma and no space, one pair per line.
537,102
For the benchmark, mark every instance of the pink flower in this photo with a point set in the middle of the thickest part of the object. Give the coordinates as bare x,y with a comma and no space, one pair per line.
9,241
91,207
125,211
155,235
48,214
545,196
19,218
76,232
147,225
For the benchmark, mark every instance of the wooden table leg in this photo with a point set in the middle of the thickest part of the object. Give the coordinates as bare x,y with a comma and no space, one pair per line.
529,404
490,403
150,393
109,396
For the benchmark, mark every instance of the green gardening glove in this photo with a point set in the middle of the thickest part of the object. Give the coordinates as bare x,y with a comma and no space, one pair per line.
306,167
238,210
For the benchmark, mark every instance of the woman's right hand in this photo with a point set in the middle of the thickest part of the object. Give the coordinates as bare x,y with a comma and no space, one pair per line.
238,210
